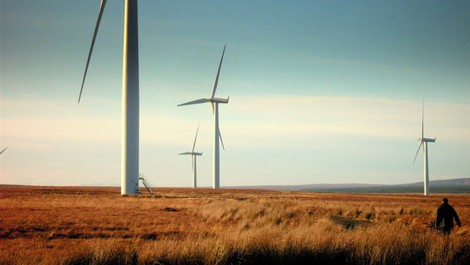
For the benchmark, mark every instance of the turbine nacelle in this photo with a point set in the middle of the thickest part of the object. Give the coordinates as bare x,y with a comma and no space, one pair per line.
191,153
205,100
220,100
421,141
428,140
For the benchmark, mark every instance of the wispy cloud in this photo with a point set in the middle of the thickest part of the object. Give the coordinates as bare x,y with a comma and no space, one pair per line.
60,140
294,116
247,119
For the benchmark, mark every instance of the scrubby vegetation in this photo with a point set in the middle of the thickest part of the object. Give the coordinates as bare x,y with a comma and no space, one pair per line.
184,226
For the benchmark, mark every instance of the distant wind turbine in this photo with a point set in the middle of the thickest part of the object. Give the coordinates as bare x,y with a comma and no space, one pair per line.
130,96
3,150
215,109
193,158
424,142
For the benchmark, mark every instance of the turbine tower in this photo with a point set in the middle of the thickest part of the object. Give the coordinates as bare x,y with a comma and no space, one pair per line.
215,109
194,155
424,142
130,96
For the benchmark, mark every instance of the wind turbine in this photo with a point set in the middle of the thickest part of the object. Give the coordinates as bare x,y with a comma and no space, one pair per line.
215,109
424,142
193,157
3,150
130,96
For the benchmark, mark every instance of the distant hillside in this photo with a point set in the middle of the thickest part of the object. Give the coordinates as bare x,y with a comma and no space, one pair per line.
461,185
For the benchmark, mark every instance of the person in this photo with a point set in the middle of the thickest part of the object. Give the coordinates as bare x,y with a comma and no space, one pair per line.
445,217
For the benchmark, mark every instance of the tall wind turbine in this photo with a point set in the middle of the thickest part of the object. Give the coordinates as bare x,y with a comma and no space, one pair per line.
130,96
193,158
424,142
215,109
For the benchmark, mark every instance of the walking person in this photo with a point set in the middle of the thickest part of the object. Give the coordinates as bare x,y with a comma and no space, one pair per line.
445,217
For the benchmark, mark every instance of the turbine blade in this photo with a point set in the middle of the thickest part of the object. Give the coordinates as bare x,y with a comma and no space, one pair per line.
419,147
218,73
3,150
221,141
195,138
185,153
197,101
98,21
422,122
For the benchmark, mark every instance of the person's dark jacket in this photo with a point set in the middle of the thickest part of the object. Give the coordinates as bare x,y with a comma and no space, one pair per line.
445,216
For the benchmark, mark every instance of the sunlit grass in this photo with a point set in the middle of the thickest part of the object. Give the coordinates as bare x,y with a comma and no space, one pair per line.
183,226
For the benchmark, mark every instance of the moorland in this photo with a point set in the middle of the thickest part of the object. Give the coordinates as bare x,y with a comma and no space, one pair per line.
96,225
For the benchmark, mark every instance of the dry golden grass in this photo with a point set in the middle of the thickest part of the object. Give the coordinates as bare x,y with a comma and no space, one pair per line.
77,225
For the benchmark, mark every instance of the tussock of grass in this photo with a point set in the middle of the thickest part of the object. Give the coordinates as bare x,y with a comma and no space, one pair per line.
100,252
325,242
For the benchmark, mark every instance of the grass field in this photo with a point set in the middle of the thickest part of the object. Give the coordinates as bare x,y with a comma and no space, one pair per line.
80,225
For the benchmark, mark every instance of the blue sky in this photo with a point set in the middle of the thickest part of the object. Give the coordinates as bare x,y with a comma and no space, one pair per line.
320,91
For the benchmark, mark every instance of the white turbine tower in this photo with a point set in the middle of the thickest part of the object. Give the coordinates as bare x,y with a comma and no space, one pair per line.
193,158
215,109
424,142
130,96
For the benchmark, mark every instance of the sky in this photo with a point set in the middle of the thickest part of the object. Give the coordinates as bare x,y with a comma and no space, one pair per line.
320,91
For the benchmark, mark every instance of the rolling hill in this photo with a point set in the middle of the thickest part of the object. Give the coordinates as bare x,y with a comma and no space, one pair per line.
460,185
